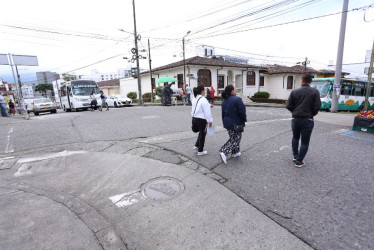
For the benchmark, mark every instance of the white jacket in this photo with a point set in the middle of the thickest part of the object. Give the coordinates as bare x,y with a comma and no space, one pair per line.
202,109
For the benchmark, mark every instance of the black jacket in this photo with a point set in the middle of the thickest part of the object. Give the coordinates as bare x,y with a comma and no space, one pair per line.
304,102
233,111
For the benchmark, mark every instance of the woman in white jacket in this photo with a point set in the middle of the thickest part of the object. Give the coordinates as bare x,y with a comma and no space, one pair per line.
201,116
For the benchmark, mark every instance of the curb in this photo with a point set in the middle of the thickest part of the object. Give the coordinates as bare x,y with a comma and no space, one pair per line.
98,225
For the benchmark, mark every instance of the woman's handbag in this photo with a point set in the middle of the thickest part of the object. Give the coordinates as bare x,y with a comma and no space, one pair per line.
195,127
238,128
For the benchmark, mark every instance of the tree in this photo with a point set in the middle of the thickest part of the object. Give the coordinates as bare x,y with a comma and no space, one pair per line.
43,88
68,77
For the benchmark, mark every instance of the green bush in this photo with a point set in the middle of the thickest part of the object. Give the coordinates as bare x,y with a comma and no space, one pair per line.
261,94
132,95
147,97
157,91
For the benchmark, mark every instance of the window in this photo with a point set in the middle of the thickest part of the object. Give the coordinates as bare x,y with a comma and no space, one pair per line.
153,82
251,78
180,81
206,52
289,82
358,89
262,81
346,88
221,82
63,91
211,52
204,77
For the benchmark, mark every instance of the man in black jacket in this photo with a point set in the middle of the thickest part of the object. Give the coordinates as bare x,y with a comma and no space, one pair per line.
304,103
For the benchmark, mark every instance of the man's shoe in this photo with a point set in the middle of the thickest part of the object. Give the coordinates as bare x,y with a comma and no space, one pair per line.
294,159
195,148
299,164
202,153
223,157
236,155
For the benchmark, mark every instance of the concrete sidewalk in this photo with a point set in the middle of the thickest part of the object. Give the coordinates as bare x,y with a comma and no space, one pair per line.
72,200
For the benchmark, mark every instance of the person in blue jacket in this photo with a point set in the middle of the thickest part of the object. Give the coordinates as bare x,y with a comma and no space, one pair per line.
233,112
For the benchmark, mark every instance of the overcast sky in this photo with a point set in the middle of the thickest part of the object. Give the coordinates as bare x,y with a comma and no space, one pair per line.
78,36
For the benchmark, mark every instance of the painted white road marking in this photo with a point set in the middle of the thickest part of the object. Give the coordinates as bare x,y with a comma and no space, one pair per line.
9,147
265,121
151,117
127,199
50,156
23,170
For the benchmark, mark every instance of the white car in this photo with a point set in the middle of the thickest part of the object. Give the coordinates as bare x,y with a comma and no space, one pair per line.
118,101
43,105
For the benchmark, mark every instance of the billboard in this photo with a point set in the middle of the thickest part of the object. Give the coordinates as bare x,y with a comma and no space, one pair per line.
25,60
4,59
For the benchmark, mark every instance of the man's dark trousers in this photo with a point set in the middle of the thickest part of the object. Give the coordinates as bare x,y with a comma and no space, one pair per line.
301,127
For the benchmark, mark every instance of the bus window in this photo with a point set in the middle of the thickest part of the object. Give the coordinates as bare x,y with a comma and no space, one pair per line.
346,89
358,89
372,90
63,91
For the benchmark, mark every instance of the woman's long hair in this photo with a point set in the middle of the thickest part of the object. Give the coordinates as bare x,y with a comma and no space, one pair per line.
198,90
227,92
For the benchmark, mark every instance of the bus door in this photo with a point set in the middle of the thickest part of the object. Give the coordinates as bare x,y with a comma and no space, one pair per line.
69,94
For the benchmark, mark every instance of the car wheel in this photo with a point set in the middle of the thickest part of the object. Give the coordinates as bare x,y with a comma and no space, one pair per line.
36,113
54,111
115,105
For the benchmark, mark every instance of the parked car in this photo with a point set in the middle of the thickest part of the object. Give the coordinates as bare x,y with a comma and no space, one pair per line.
118,101
43,105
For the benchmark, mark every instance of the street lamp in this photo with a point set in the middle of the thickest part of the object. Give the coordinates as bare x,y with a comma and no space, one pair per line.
184,62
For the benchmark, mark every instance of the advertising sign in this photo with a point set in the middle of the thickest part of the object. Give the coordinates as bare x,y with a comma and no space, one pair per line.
4,59
25,60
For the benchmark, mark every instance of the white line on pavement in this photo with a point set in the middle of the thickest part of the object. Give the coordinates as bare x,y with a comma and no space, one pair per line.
9,148
50,156
127,199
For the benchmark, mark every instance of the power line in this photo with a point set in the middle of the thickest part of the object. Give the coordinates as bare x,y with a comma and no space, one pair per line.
285,23
268,17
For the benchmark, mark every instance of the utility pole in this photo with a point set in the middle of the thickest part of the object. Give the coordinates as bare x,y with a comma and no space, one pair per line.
14,79
150,69
140,101
339,60
369,79
184,62
304,63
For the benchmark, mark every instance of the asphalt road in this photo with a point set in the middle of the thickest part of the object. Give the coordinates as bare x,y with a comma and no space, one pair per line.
328,204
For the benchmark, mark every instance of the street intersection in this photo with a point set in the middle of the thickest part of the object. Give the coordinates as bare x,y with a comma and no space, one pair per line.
86,175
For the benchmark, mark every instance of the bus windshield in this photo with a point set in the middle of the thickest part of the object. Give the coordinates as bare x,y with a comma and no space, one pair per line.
322,86
85,91
84,88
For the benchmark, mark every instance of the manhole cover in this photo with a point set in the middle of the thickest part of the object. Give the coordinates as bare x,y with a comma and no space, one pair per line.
162,188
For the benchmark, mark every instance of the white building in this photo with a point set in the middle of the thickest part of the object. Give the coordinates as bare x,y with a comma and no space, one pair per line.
199,70
27,91
98,76
278,80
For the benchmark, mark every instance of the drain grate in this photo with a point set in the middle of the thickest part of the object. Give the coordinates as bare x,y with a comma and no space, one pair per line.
162,188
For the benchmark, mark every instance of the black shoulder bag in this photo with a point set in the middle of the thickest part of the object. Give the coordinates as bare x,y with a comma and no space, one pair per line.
239,128
195,127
